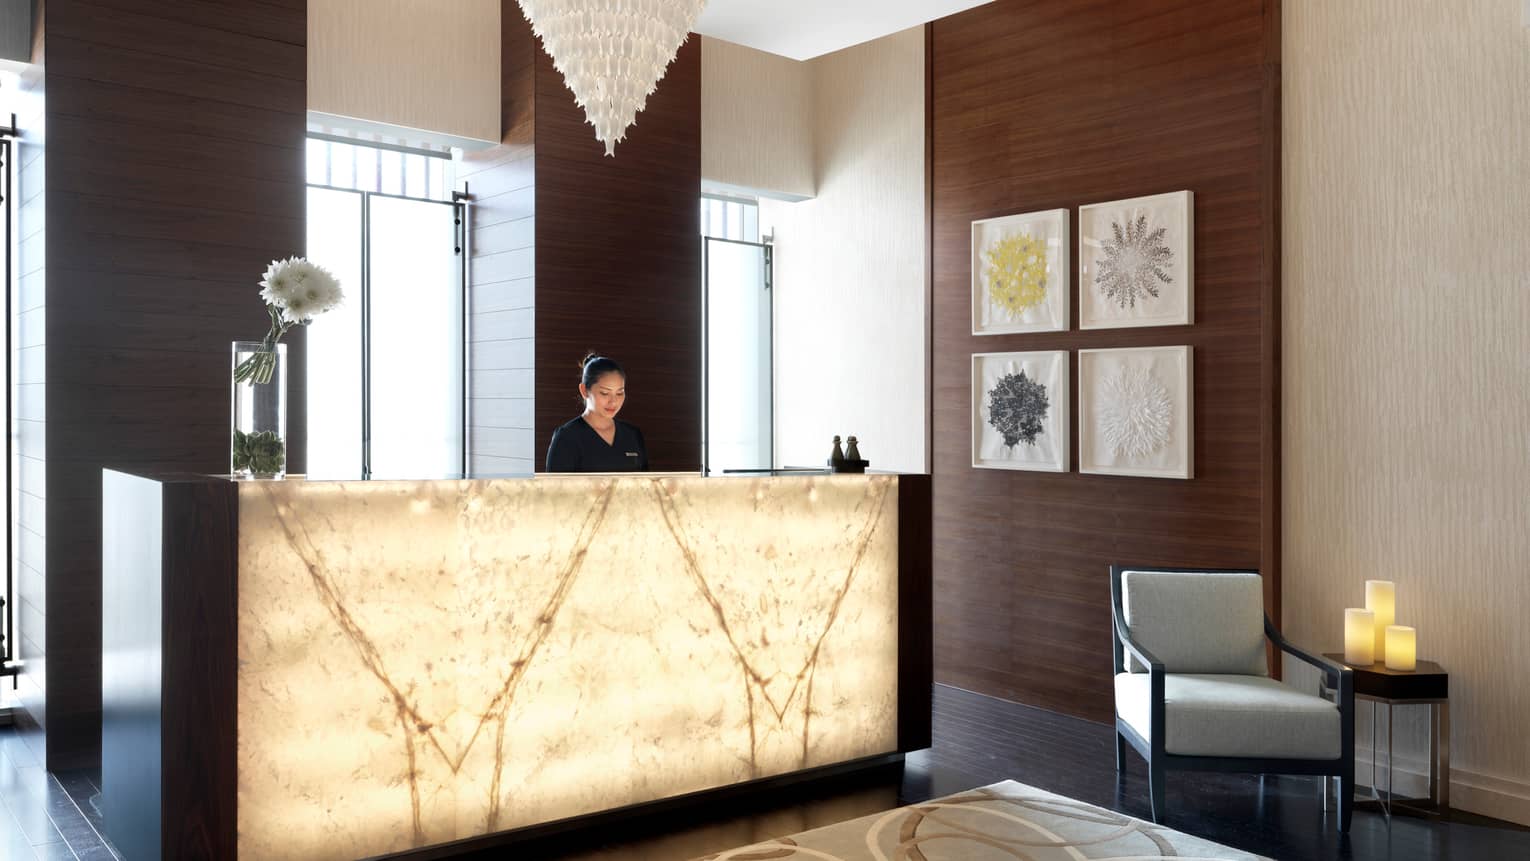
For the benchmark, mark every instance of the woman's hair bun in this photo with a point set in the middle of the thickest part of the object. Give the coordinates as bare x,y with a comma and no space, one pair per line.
596,366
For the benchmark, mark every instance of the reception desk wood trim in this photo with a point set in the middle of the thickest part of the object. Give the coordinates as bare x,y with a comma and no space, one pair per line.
173,715
916,612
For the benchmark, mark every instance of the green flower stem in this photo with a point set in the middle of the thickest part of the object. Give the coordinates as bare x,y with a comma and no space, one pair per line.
260,366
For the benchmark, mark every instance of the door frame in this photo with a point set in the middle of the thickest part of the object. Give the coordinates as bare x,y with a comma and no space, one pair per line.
768,252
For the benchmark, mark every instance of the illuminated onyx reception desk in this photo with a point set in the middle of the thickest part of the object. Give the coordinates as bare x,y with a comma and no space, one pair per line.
339,670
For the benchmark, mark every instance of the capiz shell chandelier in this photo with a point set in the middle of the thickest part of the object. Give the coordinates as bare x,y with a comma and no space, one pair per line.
612,52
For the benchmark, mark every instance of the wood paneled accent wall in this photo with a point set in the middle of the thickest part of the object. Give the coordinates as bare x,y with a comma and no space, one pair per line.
175,173
617,251
1039,104
573,251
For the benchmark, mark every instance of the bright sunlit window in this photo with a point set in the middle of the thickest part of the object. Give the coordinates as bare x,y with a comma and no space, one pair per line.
385,371
730,218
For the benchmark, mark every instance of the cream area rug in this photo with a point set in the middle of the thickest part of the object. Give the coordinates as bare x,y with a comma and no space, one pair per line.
1002,822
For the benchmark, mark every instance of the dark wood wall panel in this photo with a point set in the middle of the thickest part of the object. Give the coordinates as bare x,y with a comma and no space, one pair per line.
175,175
1041,104
618,259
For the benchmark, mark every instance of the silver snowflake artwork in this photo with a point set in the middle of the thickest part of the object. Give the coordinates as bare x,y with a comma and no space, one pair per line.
1136,262
1017,405
1135,412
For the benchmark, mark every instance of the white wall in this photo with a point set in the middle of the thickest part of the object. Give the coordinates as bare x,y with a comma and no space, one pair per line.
415,64
1406,369
851,300
756,120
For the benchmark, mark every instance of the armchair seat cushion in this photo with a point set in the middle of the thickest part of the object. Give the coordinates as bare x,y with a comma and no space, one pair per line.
1232,716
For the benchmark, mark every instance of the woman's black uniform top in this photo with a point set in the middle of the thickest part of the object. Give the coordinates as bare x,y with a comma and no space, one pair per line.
577,447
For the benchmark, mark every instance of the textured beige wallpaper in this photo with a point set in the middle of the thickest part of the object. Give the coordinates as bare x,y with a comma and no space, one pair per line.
1406,367
756,119
420,64
851,301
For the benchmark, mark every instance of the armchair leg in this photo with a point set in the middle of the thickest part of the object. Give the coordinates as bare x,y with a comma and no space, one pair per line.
1120,752
1346,796
1157,789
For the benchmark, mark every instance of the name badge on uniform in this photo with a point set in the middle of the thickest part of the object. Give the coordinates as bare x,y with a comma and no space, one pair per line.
632,454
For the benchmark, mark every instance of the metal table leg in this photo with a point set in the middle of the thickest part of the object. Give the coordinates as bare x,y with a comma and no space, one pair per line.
1391,764
1434,752
1441,743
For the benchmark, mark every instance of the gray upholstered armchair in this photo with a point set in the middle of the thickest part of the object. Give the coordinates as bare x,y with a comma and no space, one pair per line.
1193,689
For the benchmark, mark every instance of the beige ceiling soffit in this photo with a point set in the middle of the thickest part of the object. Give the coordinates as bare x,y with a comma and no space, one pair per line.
368,131
730,190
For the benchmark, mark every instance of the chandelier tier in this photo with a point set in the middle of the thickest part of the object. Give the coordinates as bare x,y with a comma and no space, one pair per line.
612,53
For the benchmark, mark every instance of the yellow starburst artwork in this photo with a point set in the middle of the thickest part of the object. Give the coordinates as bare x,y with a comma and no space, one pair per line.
1017,272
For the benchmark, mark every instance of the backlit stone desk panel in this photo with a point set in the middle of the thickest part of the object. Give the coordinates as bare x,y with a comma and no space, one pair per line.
405,664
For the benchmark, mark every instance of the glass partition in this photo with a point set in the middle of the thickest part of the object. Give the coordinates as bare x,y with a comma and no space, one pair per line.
737,430
415,340
334,340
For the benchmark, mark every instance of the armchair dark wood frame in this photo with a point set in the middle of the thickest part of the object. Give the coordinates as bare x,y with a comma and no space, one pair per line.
1339,678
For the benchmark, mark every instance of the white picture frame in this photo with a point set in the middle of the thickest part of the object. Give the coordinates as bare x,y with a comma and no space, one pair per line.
1136,412
1136,262
1028,438
1037,262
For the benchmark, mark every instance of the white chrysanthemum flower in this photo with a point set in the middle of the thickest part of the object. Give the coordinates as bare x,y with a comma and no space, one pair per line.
300,290
279,282
298,310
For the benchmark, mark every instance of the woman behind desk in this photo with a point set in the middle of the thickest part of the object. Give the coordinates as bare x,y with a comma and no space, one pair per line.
597,441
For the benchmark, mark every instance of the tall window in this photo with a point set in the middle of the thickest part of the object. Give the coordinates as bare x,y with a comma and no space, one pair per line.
733,218
385,372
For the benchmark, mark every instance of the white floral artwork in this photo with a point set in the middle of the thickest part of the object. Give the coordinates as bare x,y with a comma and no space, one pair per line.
1020,411
1136,262
1020,273
1136,411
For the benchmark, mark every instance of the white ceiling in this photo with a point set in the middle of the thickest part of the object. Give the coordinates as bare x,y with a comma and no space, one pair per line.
804,29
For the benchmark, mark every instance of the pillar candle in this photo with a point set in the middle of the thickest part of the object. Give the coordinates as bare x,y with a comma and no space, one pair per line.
1381,599
1359,637
1402,648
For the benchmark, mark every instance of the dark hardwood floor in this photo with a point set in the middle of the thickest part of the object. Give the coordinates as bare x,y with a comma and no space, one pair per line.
978,740
46,816
981,740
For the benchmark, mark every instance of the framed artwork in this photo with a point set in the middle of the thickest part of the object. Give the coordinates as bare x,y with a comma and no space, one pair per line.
1020,411
1136,262
1136,412
1020,273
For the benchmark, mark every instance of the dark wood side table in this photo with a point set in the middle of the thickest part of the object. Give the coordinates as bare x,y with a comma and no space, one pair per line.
1427,685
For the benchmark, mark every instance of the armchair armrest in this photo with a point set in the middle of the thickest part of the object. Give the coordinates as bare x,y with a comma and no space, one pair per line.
1332,674
1154,665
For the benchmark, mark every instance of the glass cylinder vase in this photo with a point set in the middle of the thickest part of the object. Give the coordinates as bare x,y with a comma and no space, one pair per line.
258,446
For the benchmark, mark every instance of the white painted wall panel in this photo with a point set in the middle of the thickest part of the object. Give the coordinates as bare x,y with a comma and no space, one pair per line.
851,301
29,461
501,383
756,120
504,296
1406,454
